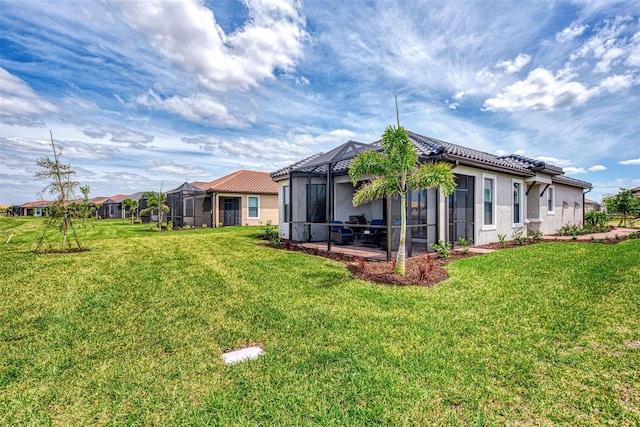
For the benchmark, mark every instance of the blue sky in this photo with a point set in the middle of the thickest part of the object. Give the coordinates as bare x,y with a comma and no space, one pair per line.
154,93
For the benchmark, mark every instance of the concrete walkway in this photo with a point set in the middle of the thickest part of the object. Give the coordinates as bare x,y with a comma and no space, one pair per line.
620,232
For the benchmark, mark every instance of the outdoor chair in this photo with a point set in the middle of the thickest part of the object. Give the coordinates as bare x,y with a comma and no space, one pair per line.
373,236
341,234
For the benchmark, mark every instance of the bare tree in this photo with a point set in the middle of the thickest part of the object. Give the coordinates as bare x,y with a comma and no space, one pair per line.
62,186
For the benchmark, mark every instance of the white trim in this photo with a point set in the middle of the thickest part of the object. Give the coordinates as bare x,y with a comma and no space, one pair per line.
520,203
551,192
494,198
249,208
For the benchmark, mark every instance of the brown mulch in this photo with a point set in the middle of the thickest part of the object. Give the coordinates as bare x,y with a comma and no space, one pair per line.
423,270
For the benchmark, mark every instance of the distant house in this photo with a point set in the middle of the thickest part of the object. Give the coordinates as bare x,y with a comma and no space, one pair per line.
113,206
244,197
591,205
37,208
635,192
97,203
495,196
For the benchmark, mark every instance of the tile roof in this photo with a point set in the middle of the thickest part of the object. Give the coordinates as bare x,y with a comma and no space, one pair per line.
97,200
37,204
431,147
242,181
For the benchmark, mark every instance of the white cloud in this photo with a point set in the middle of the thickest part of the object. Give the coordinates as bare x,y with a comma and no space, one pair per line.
597,168
633,60
187,35
617,83
198,107
607,46
574,171
632,162
19,104
554,161
342,134
540,91
175,169
516,65
118,134
571,32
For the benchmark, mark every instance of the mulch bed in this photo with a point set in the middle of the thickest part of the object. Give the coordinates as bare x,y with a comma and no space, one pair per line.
423,270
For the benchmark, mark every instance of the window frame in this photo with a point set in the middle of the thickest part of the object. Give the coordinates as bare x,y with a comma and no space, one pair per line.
494,207
257,207
186,207
286,202
520,204
321,212
551,197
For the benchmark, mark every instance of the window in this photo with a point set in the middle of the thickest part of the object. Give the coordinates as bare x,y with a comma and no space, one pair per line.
316,196
287,203
517,204
551,200
489,202
253,203
188,207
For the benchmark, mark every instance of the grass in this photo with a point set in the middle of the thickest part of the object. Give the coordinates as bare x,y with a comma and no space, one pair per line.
131,332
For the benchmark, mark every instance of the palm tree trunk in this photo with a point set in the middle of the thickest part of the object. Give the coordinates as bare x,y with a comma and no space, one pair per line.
400,258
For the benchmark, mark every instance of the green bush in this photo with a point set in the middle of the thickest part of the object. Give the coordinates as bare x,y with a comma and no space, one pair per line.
593,219
442,248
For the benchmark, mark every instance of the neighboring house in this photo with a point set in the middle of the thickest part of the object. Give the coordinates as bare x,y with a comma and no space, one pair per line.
188,206
244,197
37,208
98,204
112,207
591,205
635,192
495,195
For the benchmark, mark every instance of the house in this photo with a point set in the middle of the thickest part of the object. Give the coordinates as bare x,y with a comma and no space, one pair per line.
591,205
38,208
244,197
112,207
495,196
98,204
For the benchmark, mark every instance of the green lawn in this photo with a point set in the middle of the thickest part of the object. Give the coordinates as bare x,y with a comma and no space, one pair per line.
131,332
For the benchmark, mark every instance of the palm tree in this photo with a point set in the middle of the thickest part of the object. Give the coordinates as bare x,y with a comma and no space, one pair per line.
130,207
397,171
156,201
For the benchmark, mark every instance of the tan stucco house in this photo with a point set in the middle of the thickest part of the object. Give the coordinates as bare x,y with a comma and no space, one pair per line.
495,196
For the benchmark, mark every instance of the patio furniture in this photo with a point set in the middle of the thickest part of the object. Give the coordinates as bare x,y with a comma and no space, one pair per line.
341,234
372,235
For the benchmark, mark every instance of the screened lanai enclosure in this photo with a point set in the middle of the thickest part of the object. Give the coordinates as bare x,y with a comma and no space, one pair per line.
317,196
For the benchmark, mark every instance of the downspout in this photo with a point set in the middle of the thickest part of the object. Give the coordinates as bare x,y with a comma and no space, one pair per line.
329,207
290,206
214,209
584,194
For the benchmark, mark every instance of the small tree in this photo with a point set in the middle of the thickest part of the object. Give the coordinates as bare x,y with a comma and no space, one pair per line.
62,187
130,206
156,202
623,204
84,206
397,171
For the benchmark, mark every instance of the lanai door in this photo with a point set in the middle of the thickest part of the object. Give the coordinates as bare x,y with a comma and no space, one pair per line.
231,211
461,209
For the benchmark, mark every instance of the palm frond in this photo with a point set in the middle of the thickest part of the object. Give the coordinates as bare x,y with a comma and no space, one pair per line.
437,175
367,163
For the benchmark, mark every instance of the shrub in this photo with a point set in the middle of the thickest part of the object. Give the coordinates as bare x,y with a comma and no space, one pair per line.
502,239
593,219
442,248
535,234
518,237
464,243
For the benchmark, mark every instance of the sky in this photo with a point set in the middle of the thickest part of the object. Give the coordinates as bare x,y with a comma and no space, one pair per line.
145,95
